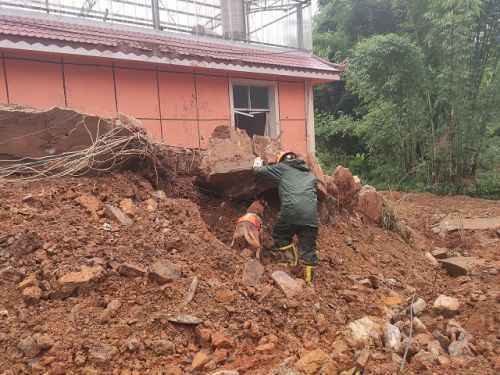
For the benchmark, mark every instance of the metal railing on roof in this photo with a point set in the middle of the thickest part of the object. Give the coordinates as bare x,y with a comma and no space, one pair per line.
284,23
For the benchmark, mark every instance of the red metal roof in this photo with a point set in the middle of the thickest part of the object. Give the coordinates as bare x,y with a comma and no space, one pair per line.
116,38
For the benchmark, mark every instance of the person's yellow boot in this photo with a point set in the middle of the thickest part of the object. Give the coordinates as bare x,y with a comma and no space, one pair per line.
309,275
291,253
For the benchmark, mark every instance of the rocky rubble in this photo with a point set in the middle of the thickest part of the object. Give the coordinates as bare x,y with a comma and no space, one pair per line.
114,301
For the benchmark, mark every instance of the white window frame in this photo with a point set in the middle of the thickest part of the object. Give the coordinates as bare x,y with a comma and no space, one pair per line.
273,119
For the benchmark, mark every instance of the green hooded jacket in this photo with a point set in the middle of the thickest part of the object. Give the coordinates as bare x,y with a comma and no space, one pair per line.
297,190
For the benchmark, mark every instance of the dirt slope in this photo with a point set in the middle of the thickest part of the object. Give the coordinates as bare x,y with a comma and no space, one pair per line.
112,317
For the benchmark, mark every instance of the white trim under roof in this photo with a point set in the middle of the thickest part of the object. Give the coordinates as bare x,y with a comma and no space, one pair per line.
191,63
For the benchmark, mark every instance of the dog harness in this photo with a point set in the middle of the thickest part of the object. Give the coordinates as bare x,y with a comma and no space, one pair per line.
252,219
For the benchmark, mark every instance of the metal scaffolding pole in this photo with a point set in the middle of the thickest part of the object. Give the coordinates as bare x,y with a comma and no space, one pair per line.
155,8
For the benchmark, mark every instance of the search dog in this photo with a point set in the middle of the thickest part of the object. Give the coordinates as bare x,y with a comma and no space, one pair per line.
249,227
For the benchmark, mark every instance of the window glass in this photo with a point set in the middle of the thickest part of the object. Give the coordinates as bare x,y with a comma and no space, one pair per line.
240,97
259,97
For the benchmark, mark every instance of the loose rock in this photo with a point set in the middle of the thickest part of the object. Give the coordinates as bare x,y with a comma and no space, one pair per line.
200,359
290,286
131,270
312,361
219,340
85,276
459,266
32,294
90,203
128,207
102,353
392,337
364,331
418,326
252,272
185,319
419,306
447,306
370,203
440,253
116,214
164,272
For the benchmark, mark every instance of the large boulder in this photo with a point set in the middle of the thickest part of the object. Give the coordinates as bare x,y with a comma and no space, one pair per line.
344,186
370,203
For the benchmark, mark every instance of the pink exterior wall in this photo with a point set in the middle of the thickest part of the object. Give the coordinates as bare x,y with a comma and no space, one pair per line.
178,107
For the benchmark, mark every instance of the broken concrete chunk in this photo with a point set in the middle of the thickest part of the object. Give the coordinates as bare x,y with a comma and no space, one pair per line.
311,362
191,291
433,261
370,203
32,294
85,276
185,319
128,207
131,270
440,253
102,353
364,331
392,337
447,306
90,203
290,286
459,266
252,272
164,271
419,305
200,359
116,214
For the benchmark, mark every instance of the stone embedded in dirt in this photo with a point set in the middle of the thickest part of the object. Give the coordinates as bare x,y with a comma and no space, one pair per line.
443,340
226,372
116,214
25,243
266,348
370,203
440,252
447,306
418,326
32,294
435,348
363,358
111,310
204,336
200,359
392,337
460,347
364,331
128,206
159,194
220,355
31,346
419,306
131,270
450,224
162,347
433,261
459,266
344,184
252,272
133,344
290,286
102,353
191,291
164,271
151,205
10,273
85,276
185,319
221,341
29,281
312,361
424,360
90,203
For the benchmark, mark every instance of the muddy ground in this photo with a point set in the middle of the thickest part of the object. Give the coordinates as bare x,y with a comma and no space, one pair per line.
76,296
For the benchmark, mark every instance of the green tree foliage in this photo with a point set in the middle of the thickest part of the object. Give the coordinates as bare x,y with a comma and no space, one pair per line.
426,85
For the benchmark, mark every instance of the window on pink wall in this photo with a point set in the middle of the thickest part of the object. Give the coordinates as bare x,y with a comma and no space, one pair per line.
36,84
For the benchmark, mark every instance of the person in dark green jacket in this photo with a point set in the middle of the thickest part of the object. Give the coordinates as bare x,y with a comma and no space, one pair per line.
298,212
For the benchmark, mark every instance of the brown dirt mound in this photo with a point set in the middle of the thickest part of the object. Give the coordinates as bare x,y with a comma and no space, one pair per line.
107,315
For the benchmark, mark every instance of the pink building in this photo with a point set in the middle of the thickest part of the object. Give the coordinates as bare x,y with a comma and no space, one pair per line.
180,86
